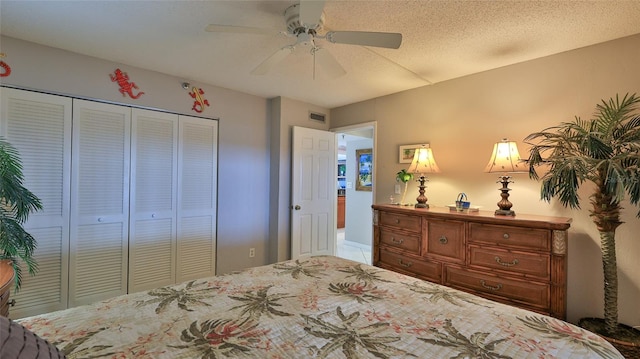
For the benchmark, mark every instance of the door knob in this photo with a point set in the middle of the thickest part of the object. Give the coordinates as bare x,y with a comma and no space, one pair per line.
297,207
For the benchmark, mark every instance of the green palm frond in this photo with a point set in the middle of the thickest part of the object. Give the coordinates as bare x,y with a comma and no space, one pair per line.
13,195
362,274
193,294
351,337
307,268
604,150
16,203
258,303
474,346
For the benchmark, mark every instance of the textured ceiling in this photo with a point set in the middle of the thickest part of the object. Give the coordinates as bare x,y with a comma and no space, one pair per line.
441,39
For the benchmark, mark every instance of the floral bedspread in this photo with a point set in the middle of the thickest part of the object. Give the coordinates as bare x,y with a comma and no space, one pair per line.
319,307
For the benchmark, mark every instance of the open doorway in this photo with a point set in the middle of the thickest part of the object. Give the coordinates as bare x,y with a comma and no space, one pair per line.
354,233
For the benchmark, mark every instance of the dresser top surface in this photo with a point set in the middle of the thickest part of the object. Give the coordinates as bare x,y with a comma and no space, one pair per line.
559,223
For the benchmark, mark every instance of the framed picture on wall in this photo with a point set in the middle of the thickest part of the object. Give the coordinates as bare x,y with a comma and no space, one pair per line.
406,152
364,177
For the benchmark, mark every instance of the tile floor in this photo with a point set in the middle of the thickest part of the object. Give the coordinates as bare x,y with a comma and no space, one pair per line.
353,250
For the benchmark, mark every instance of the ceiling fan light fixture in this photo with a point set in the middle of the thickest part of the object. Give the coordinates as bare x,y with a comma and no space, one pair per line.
305,21
305,39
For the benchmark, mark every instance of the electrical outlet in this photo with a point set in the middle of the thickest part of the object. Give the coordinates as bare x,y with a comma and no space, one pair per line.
397,189
252,252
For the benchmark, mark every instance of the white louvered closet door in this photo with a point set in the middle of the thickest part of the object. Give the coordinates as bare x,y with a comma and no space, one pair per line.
152,228
197,176
39,126
99,201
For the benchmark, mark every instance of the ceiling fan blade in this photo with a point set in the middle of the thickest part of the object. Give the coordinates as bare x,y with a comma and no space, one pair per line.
241,29
310,12
389,40
324,60
272,60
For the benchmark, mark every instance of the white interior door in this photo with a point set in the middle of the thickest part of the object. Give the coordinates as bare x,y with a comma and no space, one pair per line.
197,197
99,201
154,177
39,127
314,196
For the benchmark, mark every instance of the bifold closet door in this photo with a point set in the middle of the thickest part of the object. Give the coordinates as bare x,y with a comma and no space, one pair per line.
39,127
154,174
99,201
197,197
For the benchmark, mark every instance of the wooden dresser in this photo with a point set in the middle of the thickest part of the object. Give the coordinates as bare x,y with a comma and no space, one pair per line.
6,284
519,260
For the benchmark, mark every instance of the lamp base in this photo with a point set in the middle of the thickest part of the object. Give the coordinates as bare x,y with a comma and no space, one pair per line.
422,199
504,212
504,206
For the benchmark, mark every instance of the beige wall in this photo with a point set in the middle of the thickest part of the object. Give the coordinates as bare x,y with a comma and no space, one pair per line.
463,118
243,144
285,114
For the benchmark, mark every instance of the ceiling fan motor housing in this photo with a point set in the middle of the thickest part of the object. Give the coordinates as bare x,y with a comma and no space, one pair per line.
295,27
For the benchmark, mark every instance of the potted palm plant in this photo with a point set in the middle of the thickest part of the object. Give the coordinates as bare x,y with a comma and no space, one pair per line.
606,152
404,177
16,203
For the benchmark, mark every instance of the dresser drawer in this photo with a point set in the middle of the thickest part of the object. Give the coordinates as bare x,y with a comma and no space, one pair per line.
412,266
408,242
538,239
446,239
402,221
531,293
513,262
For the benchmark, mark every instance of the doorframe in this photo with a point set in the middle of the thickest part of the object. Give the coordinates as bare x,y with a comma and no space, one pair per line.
352,128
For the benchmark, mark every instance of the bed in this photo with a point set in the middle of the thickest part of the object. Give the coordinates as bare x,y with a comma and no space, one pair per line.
317,307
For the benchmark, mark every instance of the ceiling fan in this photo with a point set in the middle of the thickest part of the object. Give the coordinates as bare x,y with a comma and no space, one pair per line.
305,21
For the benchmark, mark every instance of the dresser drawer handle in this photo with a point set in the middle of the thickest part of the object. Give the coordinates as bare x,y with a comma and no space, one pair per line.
397,221
484,284
506,264
398,241
443,240
406,265
505,236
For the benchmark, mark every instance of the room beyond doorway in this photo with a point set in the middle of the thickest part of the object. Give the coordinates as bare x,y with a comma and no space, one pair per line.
354,239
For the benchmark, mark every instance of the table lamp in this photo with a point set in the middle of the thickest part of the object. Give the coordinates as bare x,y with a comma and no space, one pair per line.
505,159
423,163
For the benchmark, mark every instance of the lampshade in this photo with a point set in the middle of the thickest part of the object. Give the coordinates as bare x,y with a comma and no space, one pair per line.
505,158
423,162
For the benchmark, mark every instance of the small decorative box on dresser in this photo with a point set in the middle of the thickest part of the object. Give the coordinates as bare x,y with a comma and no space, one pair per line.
6,284
520,260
